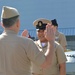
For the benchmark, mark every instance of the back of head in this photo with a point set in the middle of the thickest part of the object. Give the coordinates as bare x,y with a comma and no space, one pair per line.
9,16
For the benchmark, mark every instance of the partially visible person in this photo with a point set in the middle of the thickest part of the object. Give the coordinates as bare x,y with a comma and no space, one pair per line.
58,66
26,33
59,36
17,52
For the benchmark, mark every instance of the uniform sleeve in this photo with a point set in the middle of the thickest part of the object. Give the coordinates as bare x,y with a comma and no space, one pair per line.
34,54
61,57
63,41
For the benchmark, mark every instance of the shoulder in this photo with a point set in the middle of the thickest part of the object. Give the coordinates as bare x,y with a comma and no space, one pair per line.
24,40
58,46
61,34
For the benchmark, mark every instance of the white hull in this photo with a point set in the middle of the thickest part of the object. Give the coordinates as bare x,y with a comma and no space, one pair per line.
70,64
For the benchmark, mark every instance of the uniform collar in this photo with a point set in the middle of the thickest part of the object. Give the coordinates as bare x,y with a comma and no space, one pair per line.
9,31
40,44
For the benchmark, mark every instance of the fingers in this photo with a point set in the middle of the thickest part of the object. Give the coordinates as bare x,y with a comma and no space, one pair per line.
49,28
49,32
25,33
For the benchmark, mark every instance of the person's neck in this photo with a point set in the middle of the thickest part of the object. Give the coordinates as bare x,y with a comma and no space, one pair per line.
11,29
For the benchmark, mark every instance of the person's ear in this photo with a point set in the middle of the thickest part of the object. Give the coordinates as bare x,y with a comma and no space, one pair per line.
2,25
18,23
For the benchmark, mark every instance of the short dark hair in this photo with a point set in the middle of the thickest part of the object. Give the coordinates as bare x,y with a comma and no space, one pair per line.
10,21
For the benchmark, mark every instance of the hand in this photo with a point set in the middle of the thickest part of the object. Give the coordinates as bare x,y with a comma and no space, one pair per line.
49,32
25,33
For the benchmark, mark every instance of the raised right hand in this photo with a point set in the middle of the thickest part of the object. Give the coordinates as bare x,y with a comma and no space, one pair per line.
49,32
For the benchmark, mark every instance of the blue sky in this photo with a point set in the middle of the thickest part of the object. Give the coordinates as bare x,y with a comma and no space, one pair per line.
62,10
